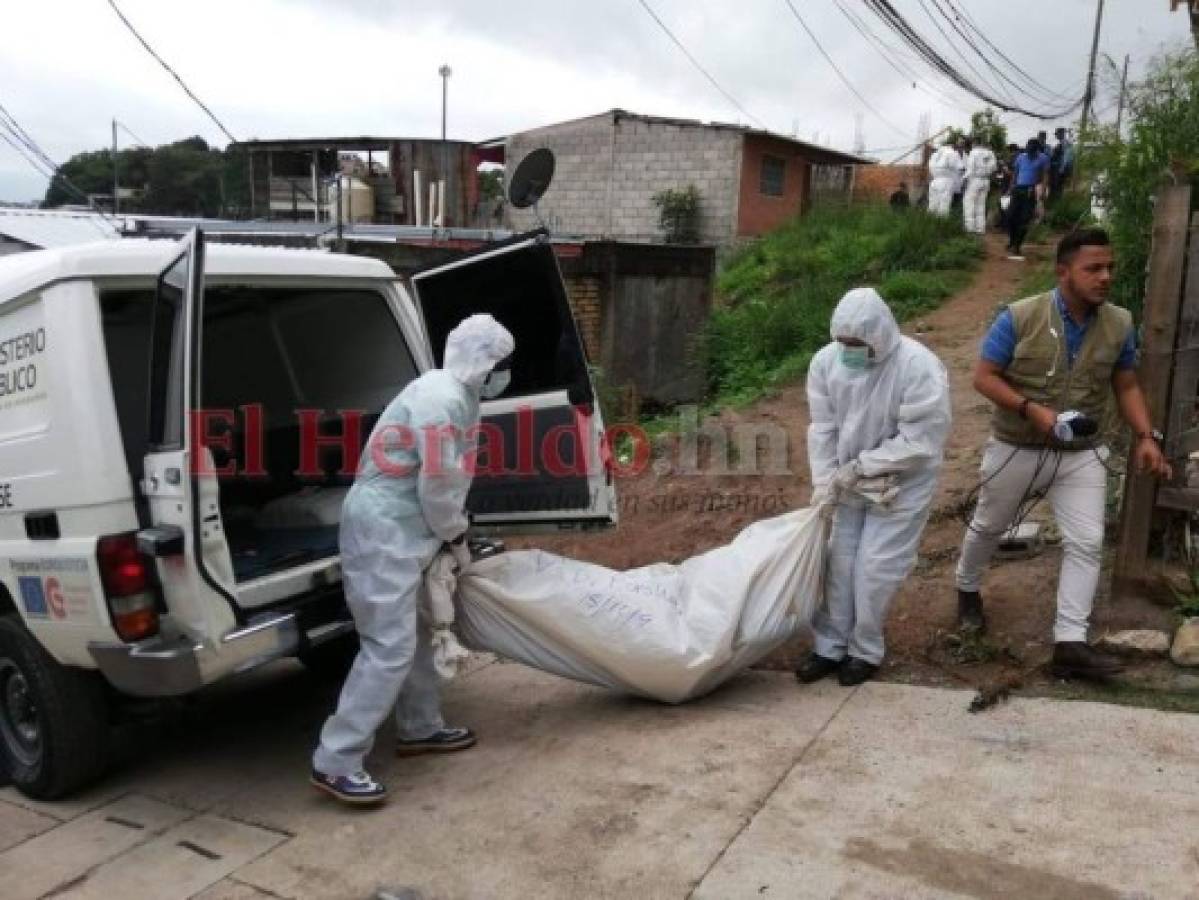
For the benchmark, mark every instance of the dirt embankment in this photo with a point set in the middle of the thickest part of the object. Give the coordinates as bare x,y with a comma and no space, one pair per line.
668,515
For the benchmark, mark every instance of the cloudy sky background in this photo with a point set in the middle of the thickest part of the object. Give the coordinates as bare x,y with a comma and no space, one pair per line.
296,68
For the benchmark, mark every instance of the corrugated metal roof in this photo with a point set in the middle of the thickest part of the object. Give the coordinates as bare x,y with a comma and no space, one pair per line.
55,228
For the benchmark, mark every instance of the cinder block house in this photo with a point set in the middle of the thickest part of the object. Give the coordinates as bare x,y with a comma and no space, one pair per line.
610,166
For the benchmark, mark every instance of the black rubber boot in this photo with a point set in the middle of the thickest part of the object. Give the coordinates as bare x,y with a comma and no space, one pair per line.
815,668
1078,659
855,671
970,612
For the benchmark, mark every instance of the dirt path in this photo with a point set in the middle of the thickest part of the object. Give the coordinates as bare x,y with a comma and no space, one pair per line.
670,515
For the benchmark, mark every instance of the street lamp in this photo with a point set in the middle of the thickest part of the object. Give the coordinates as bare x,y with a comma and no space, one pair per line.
445,72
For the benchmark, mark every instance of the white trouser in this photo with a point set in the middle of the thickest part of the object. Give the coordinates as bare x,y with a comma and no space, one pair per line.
870,554
940,196
394,666
974,204
1077,491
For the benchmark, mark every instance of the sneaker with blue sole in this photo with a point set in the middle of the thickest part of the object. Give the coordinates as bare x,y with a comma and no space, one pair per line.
446,740
358,789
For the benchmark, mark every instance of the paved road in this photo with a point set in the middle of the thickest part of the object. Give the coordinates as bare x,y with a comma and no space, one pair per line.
763,790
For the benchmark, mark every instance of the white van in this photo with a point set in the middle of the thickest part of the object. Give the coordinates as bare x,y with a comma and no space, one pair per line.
178,426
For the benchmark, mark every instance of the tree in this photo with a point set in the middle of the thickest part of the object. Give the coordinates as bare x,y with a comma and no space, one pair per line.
491,184
678,214
985,129
1163,143
184,178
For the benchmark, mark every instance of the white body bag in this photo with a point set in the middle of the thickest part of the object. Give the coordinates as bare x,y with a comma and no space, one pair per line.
667,632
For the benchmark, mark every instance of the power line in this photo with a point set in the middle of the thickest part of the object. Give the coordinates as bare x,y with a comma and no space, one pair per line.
695,62
964,16
9,121
958,50
37,166
886,12
840,74
17,137
125,128
171,71
894,58
963,32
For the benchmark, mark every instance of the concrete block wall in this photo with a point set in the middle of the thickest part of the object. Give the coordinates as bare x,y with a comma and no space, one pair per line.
652,157
609,168
577,201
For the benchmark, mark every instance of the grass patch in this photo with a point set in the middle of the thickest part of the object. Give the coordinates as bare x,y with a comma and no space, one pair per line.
778,294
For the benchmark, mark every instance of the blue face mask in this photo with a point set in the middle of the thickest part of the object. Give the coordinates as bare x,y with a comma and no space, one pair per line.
856,358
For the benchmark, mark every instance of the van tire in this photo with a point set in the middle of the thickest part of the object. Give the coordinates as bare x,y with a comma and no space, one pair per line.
332,661
69,712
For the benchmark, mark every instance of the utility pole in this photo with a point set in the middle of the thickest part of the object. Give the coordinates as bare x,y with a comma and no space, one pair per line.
445,72
116,172
1123,96
1089,98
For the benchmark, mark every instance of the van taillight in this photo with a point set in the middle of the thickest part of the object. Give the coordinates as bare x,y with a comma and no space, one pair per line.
128,587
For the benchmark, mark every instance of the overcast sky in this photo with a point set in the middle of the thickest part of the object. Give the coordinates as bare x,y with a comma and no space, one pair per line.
297,68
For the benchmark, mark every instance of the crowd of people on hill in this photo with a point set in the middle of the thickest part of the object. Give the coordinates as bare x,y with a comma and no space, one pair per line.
963,172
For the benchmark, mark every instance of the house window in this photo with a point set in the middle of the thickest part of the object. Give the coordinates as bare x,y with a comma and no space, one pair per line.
774,172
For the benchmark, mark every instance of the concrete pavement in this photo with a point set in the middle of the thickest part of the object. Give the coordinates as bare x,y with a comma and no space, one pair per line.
762,790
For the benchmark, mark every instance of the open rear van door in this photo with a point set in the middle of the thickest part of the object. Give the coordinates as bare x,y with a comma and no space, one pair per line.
179,483
541,456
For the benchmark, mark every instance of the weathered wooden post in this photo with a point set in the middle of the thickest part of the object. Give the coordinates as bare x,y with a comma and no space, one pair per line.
1163,293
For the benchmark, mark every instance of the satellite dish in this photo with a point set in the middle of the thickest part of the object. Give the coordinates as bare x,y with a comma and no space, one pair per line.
531,179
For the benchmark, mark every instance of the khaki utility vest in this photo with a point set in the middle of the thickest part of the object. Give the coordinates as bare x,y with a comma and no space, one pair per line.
1040,368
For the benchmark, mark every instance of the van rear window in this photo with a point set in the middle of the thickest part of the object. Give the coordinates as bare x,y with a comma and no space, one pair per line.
284,349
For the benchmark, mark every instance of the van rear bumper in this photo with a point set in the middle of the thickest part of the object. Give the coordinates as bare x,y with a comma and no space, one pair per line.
161,667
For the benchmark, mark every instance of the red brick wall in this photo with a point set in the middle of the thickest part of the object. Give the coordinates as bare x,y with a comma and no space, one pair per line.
757,213
879,182
583,291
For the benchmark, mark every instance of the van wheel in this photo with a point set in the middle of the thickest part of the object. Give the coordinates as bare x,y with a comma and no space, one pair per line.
53,719
332,661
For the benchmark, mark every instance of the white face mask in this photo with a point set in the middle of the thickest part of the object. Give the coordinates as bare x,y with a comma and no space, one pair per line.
497,382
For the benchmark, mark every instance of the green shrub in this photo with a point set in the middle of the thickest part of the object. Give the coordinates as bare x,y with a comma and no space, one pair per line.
678,214
777,295
1070,211
1163,144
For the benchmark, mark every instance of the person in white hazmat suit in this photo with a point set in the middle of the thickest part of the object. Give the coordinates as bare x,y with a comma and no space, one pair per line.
880,414
946,167
407,500
980,167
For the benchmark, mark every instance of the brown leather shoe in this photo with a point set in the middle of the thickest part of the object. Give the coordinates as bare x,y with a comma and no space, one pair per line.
1078,659
970,612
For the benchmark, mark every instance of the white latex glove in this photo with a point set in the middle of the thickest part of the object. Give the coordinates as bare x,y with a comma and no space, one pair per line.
461,552
845,477
880,490
440,583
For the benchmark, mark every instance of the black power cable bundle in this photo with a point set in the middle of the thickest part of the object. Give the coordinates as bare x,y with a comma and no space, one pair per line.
891,17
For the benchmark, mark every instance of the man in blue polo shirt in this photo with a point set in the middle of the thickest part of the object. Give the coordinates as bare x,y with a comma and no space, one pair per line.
1030,170
1065,351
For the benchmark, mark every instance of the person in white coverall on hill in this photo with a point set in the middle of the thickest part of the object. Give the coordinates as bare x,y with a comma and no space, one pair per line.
981,165
945,167
407,500
880,413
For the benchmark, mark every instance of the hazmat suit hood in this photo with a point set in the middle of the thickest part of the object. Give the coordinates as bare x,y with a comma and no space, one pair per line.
473,348
862,314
